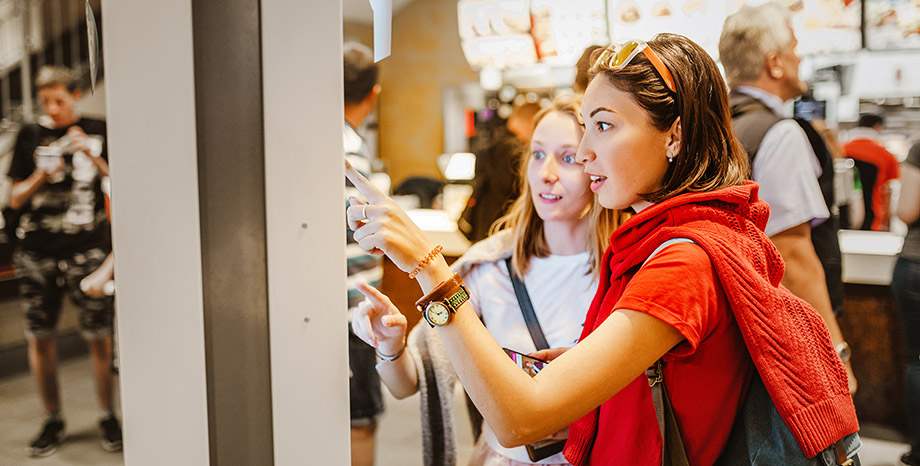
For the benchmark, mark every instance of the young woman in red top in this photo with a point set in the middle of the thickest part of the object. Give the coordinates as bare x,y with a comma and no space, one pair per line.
658,139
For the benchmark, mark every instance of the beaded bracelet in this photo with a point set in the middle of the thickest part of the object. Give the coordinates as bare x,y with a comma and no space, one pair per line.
389,358
424,262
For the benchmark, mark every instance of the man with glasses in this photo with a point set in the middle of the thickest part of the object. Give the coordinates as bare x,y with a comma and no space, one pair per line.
788,158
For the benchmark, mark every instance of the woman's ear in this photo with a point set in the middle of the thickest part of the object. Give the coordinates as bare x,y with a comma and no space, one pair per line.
672,142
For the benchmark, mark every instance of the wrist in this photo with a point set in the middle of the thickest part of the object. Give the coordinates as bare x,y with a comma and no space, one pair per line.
434,274
391,352
39,175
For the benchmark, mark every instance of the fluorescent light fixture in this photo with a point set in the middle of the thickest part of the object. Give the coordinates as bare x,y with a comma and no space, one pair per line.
432,220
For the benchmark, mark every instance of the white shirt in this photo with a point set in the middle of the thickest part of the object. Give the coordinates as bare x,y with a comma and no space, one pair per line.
787,171
561,289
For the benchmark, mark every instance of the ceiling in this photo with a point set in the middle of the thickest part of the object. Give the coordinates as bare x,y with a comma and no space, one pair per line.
360,11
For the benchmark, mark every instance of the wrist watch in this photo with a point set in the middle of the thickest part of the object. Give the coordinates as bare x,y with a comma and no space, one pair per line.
843,350
440,303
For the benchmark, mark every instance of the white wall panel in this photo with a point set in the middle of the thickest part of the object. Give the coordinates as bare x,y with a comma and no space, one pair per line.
151,125
304,178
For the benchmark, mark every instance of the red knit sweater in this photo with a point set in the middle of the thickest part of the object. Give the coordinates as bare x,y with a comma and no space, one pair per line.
787,339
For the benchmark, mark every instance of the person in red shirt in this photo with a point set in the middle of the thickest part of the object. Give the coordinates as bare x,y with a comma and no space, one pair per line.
658,139
864,146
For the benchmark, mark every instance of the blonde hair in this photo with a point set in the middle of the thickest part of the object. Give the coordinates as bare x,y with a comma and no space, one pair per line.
527,227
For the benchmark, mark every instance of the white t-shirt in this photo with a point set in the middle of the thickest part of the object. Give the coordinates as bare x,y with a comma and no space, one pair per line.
561,289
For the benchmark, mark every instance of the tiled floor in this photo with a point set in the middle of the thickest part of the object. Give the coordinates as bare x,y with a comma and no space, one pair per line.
398,444
22,416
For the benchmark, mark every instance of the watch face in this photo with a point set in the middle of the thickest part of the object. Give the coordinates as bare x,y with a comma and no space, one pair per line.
437,314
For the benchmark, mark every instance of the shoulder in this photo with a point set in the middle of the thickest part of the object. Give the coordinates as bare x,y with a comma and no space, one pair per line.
497,247
30,130
353,142
679,255
26,140
786,148
680,287
92,125
673,266
784,128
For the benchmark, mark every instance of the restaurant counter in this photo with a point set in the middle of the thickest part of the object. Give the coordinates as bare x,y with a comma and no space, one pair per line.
872,327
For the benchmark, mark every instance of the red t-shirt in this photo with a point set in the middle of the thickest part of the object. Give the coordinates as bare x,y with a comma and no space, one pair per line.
705,376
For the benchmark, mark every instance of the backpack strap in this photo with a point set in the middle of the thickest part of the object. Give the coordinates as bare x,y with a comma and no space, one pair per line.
673,452
530,317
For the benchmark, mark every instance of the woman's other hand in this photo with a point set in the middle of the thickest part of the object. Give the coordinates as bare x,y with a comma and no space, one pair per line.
548,354
378,322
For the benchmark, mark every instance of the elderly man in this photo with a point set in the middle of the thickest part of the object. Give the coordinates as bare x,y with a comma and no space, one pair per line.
788,158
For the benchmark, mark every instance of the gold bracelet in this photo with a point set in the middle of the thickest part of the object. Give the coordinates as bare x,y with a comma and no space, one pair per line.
424,262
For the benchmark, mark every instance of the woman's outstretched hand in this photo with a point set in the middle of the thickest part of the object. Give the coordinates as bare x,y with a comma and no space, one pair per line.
382,227
378,322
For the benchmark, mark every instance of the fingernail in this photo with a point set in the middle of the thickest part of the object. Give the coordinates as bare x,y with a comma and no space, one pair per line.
347,165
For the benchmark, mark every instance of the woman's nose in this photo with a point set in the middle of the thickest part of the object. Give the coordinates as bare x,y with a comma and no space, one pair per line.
548,170
584,154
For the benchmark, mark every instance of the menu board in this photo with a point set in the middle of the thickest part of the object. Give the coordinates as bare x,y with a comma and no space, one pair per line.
820,25
892,24
823,26
562,30
699,20
496,34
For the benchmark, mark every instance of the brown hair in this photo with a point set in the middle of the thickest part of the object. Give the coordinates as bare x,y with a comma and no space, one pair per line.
359,70
53,76
527,227
710,155
582,67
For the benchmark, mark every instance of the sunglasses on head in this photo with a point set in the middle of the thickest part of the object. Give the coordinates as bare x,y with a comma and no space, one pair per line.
617,59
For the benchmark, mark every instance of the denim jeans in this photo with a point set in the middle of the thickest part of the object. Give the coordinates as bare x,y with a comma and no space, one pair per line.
760,437
906,287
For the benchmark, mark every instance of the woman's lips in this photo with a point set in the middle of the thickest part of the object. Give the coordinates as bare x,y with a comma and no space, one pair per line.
549,198
597,181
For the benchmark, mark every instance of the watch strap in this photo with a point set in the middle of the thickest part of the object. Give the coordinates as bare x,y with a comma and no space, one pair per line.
441,292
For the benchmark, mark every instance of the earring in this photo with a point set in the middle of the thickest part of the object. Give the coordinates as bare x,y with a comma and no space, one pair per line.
670,158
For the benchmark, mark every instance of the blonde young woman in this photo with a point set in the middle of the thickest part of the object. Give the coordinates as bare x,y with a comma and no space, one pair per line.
555,234
710,316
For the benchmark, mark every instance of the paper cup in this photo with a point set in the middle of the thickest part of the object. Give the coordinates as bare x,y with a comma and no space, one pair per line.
47,158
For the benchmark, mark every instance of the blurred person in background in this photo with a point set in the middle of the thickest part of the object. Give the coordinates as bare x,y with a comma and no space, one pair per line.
906,287
848,199
494,183
361,92
788,158
877,169
64,246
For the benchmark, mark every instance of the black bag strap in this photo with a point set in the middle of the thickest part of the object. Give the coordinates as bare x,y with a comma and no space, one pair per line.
533,325
673,452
